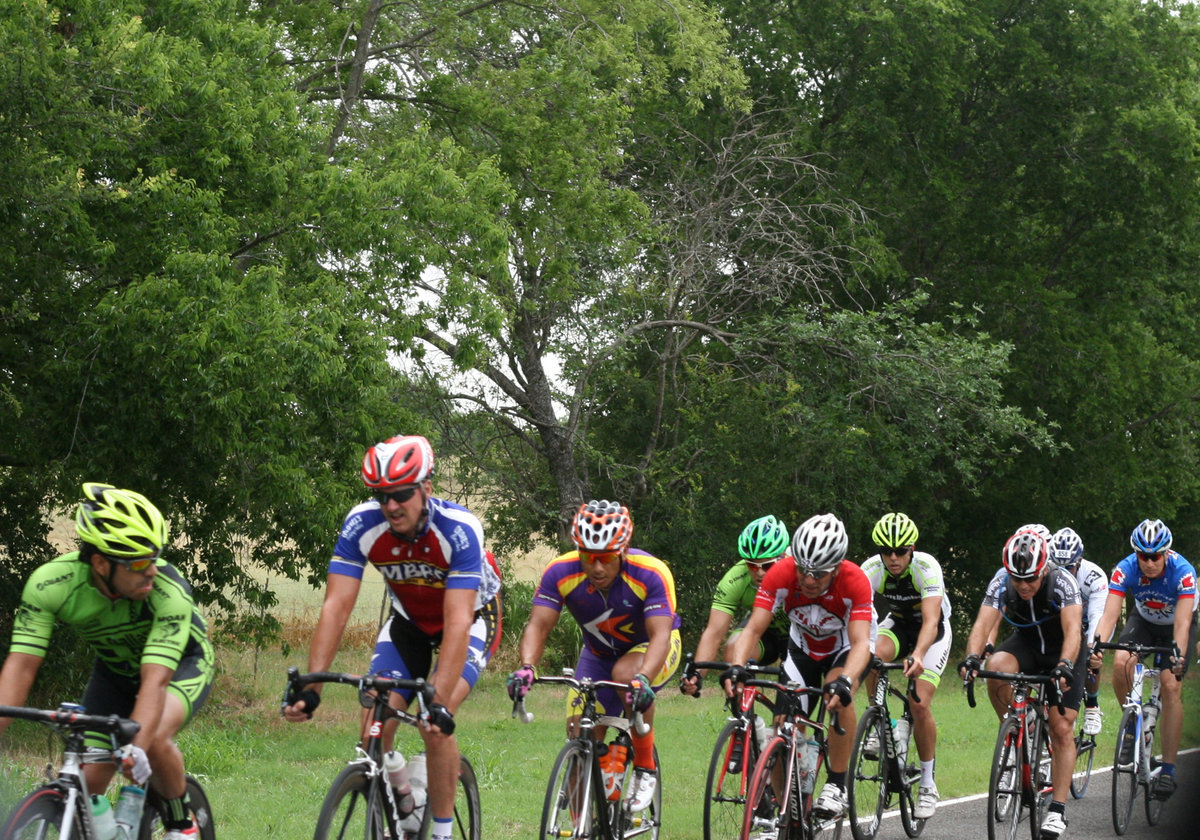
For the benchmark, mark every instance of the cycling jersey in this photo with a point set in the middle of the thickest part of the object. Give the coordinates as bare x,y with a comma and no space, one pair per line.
735,595
903,595
613,623
1093,586
125,634
1036,621
447,553
1155,598
820,626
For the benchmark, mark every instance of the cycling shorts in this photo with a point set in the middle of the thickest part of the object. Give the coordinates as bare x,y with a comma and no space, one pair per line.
904,639
1140,631
771,646
112,694
799,667
609,700
403,651
1029,661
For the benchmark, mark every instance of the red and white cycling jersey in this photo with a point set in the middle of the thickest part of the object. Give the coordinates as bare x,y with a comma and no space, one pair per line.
818,626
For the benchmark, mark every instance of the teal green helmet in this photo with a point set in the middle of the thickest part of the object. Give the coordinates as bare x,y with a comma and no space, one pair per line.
763,539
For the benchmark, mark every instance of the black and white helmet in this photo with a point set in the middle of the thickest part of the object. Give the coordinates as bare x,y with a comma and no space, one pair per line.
820,543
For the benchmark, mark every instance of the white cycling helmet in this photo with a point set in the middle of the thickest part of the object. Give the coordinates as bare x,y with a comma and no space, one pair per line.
820,543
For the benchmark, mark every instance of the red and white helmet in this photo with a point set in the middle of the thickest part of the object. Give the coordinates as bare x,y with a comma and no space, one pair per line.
602,526
1026,555
397,462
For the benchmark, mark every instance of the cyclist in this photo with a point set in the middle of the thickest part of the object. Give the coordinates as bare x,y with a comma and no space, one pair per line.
762,543
1043,604
624,602
154,661
444,592
827,600
1066,550
1163,585
917,624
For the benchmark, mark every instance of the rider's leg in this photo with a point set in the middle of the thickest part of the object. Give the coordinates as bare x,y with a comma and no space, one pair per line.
924,726
1000,691
1062,761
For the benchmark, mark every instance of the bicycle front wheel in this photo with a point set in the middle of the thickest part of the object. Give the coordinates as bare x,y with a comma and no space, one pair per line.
1041,790
729,769
352,808
1004,788
570,808
867,787
155,812
1154,805
466,825
1124,776
767,798
1085,757
40,815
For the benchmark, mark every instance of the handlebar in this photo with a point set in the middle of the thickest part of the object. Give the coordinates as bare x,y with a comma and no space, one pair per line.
879,665
583,684
297,681
121,729
797,690
1141,651
1015,677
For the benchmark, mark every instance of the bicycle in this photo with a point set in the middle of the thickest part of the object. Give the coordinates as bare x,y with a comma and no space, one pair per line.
1085,756
734,754
779,804
576,804
360,803
62,806
1020,777
1136,733
876,781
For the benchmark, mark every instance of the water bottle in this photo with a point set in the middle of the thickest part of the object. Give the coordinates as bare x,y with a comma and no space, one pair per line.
129,811
102,817
1149,715
900,730
614,769
761,733
396,769
809,753
418,779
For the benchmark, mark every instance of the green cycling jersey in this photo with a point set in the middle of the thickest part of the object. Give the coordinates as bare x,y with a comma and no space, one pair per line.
125,634
735,596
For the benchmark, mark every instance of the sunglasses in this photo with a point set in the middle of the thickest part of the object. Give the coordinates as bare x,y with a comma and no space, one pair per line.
397,496
605,557
1151,558
803,573
762,565
897,552
139,564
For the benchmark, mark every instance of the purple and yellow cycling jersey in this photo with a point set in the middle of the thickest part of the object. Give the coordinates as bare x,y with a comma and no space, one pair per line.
1156,598
614,622
447,554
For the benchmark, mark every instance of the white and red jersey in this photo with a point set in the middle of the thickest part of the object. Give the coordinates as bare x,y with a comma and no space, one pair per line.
819,626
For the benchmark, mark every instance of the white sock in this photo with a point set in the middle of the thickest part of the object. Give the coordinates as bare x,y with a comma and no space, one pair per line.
441,829
927,773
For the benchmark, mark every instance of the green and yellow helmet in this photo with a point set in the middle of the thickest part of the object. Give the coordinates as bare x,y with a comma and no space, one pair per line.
121,524
763,539
895,530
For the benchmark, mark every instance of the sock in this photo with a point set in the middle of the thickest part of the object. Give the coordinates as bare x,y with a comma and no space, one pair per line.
838,779
177,815
441,829
1166,769
1058,807
643,750
927,773
1091,701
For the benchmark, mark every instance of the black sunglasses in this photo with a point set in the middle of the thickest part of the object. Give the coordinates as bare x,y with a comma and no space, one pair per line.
899,552
1151,556
398,496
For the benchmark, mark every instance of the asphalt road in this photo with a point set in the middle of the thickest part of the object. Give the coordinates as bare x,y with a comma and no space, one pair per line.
1090,817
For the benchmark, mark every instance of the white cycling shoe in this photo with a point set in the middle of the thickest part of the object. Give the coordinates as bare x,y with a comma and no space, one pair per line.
1093,720
832,802
645,783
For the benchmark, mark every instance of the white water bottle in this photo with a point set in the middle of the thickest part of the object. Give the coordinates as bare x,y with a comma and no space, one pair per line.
761,734
418,779
129,811
396,769
900,731
809,754
102,818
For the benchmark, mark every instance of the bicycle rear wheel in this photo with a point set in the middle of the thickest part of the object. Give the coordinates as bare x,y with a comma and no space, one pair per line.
1004,788
729,769
351,809
867,782
467,817
570,809
155,811
1154,805
910,788
625,823
767,800
40,815
1085,756
1124,777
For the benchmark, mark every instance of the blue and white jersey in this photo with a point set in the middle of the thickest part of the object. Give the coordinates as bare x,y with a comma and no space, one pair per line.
1156,598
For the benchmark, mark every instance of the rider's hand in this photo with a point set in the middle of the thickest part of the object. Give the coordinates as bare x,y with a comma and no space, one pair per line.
840,691
968,667
438,715
690,684
732,677
520,681
641,693
136,765
304,706
1064,671
914,666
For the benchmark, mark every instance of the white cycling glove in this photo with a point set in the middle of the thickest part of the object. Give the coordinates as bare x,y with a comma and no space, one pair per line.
135,761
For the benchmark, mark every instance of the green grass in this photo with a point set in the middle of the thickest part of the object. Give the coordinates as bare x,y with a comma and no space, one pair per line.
267,778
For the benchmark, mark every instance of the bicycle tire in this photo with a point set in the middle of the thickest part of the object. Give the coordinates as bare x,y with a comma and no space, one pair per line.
1124,778
1041,790
351,808
725,789
766,807
154,813
867,781
1085,757
910,788
467,825
40,814
1154,805
625,823
570,808
1004,786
